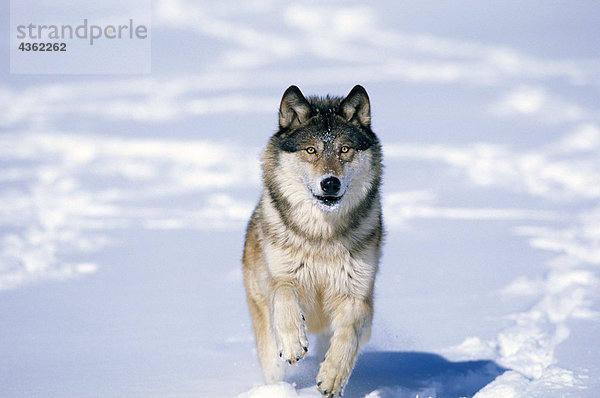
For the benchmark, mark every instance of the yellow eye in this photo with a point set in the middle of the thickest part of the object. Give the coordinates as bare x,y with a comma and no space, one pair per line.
345,149
311,150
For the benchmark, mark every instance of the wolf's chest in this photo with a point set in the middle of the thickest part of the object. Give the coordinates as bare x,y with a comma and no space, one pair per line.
324,269
334,276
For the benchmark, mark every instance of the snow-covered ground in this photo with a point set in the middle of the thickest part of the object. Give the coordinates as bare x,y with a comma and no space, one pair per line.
123,201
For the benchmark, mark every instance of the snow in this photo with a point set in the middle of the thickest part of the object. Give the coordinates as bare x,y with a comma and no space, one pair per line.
123,202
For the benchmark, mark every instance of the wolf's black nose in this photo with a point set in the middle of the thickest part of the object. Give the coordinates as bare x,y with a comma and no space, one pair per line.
331,185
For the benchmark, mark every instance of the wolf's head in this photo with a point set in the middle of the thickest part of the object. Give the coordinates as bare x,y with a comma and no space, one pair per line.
325,149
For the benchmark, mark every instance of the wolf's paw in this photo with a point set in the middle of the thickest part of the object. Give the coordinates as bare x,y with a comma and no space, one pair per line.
292,343
332,378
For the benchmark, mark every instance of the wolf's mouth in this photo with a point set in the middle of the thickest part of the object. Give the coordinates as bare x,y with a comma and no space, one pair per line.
329,200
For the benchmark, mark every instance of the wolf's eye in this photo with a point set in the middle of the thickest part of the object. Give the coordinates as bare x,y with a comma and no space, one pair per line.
311,150
345,149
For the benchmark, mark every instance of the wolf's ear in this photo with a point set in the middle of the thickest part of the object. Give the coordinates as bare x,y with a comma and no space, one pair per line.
294,109
356,108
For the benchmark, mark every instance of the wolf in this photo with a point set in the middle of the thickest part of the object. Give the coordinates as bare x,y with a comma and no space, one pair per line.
313,243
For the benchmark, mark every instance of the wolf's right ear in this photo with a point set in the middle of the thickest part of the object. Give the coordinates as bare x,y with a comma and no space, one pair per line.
294,109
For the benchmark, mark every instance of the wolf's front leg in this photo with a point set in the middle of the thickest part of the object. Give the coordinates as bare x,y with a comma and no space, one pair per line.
351,329
289,327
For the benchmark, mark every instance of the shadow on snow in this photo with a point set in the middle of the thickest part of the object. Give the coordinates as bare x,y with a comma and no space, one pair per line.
413,371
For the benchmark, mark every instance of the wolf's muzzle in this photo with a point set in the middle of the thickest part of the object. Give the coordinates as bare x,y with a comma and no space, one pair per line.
331,186
331,189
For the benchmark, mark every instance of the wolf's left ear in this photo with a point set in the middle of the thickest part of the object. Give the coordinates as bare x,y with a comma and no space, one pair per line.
294,109
356,108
